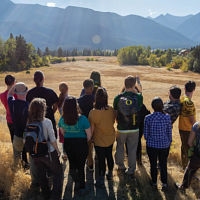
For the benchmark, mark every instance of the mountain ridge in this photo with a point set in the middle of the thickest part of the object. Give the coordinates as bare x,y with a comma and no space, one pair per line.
76,26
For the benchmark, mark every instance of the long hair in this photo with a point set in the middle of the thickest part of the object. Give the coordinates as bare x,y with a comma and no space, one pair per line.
96,76
37,110
70,111
63,87
101,99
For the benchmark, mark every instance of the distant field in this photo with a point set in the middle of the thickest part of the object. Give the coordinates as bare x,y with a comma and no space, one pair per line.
155,82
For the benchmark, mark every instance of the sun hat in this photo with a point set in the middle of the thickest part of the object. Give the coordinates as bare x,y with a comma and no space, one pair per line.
21,88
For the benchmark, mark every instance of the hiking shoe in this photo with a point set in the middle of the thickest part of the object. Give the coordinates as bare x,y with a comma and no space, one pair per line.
91,169
85,191
99,184
164,187
153,184
109,176
179,187
130,177
121,171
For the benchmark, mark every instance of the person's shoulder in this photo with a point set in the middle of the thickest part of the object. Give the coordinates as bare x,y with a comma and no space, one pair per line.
82,117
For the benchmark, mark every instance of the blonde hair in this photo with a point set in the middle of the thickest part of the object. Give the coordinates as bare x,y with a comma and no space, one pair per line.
37,110
63,87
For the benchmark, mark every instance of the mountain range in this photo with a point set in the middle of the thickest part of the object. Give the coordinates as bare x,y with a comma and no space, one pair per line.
76,27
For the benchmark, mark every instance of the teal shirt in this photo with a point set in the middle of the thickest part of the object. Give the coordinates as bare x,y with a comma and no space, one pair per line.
116,101
76,131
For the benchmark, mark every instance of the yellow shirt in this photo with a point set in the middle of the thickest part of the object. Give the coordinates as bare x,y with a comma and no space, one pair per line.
187,109
103,122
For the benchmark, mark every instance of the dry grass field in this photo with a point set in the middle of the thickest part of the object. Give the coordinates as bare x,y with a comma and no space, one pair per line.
155,82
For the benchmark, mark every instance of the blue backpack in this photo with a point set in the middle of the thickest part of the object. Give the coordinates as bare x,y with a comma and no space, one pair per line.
34,140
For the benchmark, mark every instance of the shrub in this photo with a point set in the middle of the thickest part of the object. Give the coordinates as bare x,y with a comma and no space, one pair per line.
191,63
177,62
196,66
73,59
142,60
169,66
152,60
184,66
96,59
68,60
87,59
92,59
28,72
162,61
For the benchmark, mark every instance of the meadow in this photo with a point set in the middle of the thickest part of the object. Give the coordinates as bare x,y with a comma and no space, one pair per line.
155,82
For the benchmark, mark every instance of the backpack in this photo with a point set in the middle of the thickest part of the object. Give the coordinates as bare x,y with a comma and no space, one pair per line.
34,140
128,111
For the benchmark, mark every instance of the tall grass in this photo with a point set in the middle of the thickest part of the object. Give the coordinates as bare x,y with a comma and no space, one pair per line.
14,183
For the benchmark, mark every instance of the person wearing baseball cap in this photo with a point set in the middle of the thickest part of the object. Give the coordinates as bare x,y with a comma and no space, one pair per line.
19,115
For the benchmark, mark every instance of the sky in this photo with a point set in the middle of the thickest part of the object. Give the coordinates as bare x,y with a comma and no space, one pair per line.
143,8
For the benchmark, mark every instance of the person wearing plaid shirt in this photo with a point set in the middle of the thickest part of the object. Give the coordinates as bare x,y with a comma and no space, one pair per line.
173,106
158,136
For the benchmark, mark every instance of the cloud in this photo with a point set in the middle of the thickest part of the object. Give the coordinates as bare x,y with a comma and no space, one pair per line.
152,13
51,4
149,10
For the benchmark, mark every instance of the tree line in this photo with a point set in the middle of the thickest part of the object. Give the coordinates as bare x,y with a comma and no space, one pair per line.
140,55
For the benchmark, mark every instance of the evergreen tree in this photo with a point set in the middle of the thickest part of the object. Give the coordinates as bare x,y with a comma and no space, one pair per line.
60,52
11,36
39,52
169,56
47,52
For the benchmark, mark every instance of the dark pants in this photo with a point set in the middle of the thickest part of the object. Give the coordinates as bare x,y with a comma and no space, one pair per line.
162,155
11,129
56,168
193,166
55,129
184,147
102,154
77,151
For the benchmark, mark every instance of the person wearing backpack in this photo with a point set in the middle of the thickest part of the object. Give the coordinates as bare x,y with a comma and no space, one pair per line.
194,163
127,106
19,114
40,140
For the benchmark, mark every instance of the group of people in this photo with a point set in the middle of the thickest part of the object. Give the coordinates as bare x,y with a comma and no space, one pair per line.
87,123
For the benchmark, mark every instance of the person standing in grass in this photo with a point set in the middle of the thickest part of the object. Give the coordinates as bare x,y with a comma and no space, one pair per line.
19,115
127,106
86,103
77,133
37,110
194,163
158,136
63,87
96,77
173,106
186,120
10,82
46,93
102,119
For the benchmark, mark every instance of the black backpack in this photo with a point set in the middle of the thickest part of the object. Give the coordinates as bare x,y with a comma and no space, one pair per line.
128,111
34,140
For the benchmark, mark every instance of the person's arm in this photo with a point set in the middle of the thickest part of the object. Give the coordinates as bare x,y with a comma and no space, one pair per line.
146,129
11,91
62,131
192,120
88,133
55,146
116,114
92,130
191,138
55,106
139,84
169,130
